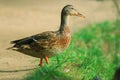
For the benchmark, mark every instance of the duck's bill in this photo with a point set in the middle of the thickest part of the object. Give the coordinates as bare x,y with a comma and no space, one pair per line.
80,15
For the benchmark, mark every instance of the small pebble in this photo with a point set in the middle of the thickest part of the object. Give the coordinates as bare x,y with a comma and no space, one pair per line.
66,70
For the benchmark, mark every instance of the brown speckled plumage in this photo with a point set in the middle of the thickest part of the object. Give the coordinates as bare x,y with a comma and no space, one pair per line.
50,43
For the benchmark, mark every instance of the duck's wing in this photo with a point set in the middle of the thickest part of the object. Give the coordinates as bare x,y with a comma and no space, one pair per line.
42,40
26,40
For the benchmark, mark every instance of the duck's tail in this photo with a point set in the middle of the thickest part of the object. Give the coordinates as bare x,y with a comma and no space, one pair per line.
10,48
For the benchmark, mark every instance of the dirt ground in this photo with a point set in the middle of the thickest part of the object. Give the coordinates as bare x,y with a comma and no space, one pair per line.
22,18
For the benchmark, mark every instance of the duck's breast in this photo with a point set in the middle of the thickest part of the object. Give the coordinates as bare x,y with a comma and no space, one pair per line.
65,40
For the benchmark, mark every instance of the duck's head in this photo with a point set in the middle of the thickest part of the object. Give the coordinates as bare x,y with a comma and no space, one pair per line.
70,10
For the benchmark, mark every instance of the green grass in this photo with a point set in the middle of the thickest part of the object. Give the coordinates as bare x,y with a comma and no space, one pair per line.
93,53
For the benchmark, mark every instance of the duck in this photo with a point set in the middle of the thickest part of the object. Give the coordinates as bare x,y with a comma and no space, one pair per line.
49,43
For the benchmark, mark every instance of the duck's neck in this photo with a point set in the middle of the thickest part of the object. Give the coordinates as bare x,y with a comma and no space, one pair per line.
64,22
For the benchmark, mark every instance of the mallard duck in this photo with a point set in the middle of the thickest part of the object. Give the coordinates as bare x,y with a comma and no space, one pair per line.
49,43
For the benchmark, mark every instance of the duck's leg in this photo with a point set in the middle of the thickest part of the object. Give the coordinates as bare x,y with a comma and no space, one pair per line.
41,62
46,59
